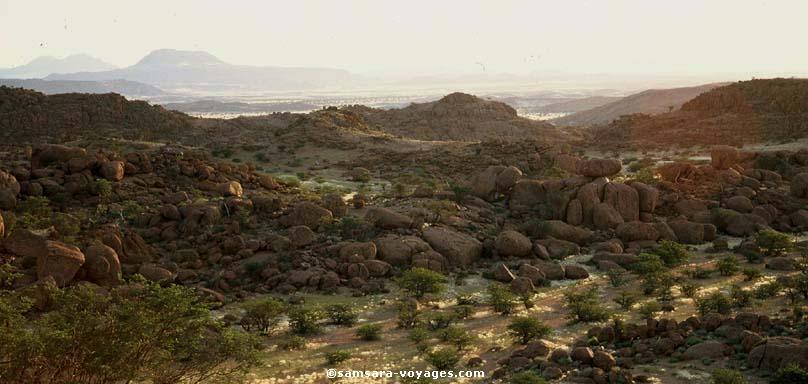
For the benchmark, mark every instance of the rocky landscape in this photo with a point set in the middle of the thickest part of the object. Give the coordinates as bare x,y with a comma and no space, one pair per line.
450,235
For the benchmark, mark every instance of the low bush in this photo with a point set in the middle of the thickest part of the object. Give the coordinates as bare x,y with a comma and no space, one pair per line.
501,298
341,314
727,376
336,357
262,315
526,329
369,332
585,306
443,359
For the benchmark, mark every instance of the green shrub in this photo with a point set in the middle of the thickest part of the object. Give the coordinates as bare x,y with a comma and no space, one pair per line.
418,335
369,332
440,320
727,376
715,302
421,281
648,263
792,374
463,311
625,300
262,314
501,298
336,357
617,277
526,329
527,377
774,243
457,336
689,290
305,321
767,290
751,274
672,253
740,297
585,306
8,273
408,314
649,309
341,314
139,332
728,265
292,342
443,359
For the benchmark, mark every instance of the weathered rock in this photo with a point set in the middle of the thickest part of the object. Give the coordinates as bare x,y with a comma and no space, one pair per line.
399,251
460,250
744,224
599,167
46,154
622,259
368,250
522,285
575,272
230,188
377,268
637,230
60,261
604,216
648,196
102,265
781,264
603,360
551,271
575,213
512,243
308,214
582,355
301,236
799,185
779,352
557,249
561,230
708,349
502,274
740,204
677,171
687,232
387,218
112,170
724,157
533,273
508,178
526,194
624,199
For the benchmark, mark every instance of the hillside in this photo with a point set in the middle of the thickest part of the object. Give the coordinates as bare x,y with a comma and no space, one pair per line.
50,87
233,107
652,102
198,70
744,112
30,116
575,105
460,117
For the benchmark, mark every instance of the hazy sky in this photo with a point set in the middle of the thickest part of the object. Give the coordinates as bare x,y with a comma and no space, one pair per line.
421,37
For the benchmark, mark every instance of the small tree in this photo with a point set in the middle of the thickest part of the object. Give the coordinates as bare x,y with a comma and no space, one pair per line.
305,321
501,298
443,359
341,314
672,253
420,281
649,309
457,336
585,306
773,243
727,376
728,265
715,302
262,314
408,314
625,300
792,374
526,329
336,357
369,332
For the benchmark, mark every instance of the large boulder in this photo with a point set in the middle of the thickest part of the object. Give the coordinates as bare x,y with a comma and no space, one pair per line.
599,167
398,250
624,199
9,183
508,178
561,230
526,194
687,232
230,188
744,224
799,185
555,248
112,170
460,249
102,265
308,214
155,273
779,352
512,243
589,195
724,157
25,244
387,218
484,184
674,172
637,231
365,250
604,216
739,203
709,349
47,154
60,261
648,196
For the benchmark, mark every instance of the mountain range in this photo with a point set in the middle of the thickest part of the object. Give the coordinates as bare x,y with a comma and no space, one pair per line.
201,71
46,65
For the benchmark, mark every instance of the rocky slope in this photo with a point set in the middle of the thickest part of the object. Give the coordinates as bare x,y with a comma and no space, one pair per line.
459,117
651,102
745,112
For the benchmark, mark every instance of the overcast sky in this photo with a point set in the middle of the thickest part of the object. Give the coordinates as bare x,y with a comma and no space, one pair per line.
426,37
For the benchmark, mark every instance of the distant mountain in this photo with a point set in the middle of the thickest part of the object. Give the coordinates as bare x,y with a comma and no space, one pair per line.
763,110
459,117
652,101
46,65
196,70
50,87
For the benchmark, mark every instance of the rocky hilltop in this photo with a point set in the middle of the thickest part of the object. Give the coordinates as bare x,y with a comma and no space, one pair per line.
745,112
651,102
460,117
